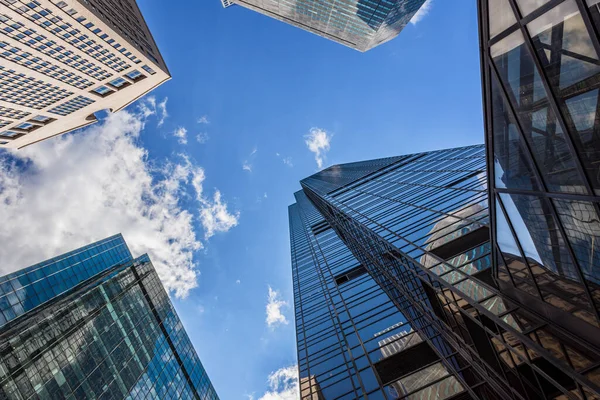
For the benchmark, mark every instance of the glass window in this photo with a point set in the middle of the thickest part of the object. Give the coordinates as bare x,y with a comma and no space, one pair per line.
102,90
118,82
511,165
540,126
133,74
527,6
500,15
539,234
582,226
571,63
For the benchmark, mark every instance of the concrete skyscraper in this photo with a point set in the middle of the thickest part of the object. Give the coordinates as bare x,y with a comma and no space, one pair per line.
95,323
63,60
360,24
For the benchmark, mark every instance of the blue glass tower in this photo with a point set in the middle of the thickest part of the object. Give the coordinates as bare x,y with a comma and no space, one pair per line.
95,323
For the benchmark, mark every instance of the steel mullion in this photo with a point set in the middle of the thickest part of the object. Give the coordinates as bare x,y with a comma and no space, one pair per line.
551,195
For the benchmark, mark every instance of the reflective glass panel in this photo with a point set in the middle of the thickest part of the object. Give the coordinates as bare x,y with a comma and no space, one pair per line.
582,225
500,16
538,233
527,6
511,166
571,63
539,124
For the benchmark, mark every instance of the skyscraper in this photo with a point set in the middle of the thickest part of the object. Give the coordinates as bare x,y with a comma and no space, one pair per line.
63,60
417,227
359,24
94,323
541,80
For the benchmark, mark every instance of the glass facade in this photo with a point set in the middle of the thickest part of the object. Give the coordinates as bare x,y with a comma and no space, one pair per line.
541,79
95,323
360,24
420,227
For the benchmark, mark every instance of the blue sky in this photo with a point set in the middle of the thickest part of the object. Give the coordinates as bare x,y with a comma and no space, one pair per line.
200,173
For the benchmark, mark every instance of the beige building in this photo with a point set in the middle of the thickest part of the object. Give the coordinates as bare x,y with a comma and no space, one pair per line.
63,60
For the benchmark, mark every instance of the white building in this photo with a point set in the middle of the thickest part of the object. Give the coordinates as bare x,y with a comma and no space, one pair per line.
63,60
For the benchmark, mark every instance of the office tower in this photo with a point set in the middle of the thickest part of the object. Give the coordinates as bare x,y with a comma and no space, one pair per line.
94,323
63,60
541,80
226,3
359,24
418,226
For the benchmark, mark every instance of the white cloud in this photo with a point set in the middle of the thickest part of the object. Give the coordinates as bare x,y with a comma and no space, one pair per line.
200,309
274,306
265,195
318,141
283,384
74,189
247,165
238,281
202,137
162,111
215,216
203,120
422,13
286,160
148,107
181,134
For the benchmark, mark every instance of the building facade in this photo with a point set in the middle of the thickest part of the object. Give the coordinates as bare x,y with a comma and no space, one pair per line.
359,24
95,323
541,78
419,227
63,60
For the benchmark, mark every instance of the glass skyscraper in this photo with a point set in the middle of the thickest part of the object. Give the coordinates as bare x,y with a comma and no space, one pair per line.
95,323
360,24
541,80
397,295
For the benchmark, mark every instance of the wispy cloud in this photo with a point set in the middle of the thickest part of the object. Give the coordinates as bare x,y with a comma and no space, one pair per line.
148,107
162,111
202,137
75,189
181,134
204,120
318,142
247,164
283,385
286,160
238,281
422,13
274,305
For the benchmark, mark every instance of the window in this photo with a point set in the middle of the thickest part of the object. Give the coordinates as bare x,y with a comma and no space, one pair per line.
102,90
134,75
40,118
25,125
118,82
350,275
